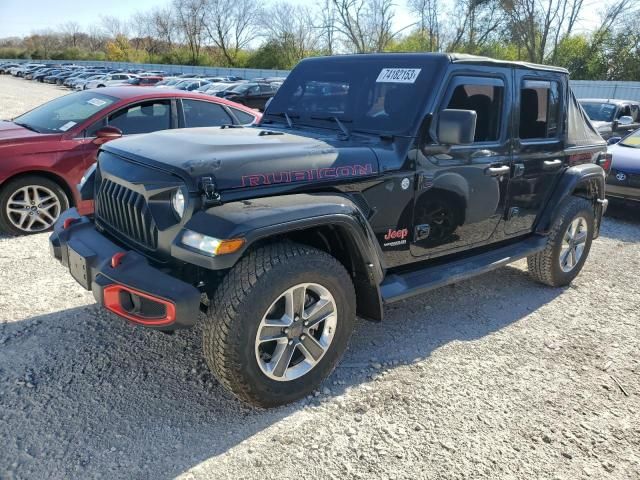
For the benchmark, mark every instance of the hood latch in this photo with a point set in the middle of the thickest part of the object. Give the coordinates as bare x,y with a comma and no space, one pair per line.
209,194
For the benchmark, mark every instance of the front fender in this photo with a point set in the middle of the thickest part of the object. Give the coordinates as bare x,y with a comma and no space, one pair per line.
261,218
587,177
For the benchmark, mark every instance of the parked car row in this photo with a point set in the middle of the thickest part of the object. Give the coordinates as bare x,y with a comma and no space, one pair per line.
254,93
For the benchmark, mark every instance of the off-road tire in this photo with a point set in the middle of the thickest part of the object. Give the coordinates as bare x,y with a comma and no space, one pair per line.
544,266
12,186
240,303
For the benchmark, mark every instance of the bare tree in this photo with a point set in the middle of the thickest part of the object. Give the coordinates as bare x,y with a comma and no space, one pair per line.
232,25
72,33
475,24
292,28
191,23
428,12
114,27
326,26
366,25
164,26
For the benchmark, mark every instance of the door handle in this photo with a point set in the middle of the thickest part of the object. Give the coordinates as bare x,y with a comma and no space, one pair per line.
498,171
551,164
483,153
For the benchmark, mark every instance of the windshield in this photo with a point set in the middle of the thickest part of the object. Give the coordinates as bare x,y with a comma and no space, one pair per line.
599,112
64,113
632,140
240,88
376,94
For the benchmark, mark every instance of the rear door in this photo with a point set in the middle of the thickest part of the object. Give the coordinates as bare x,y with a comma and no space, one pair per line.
538,153
460,194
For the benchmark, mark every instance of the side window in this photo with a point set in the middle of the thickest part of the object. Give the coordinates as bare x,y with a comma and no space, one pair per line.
539,109
143,117
266,89
243,117
635,113
625,110
486,100
255,90
204,114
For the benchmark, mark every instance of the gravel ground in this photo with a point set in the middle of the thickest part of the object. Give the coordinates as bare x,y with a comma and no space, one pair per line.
492,378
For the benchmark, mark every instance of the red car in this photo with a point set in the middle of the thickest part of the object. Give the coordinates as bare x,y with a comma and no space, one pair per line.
45,152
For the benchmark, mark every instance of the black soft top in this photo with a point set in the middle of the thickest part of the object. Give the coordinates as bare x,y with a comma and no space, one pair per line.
444,58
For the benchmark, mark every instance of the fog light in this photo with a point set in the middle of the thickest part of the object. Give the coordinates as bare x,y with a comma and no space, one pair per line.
211,245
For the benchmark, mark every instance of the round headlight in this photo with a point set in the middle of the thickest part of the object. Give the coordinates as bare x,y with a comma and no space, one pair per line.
177,202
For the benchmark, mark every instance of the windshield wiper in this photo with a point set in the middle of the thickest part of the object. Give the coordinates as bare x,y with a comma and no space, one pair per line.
286,116
28,127
344,130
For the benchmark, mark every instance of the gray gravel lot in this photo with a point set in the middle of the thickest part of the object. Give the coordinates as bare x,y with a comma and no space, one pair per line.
492,378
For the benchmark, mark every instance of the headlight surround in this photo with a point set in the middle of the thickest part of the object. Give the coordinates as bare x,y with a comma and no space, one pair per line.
178,202
211,245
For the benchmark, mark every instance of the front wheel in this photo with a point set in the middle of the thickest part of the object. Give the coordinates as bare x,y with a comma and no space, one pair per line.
279,323
568,245
31,204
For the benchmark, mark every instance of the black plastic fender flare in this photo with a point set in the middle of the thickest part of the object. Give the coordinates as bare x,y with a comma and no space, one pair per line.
262,218
587,174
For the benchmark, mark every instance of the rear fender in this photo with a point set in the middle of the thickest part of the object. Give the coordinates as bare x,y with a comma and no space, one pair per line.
586,180
262,219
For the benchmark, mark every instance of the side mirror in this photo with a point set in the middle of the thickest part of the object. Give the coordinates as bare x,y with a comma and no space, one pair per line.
625,120
106,134
613,140
456,127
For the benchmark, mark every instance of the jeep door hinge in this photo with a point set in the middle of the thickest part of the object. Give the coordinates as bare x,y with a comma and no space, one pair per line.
209,194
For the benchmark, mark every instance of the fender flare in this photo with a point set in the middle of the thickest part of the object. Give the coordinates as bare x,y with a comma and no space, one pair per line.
268,217
587,175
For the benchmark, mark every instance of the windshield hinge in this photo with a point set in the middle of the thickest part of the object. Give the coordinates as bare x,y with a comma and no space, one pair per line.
209,194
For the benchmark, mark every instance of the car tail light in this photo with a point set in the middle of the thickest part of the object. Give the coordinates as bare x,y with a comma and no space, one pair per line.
605,160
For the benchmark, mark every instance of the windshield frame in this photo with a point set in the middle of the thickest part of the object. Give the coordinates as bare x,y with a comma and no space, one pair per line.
363,83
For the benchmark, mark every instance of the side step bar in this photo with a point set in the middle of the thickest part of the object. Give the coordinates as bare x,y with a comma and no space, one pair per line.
396,287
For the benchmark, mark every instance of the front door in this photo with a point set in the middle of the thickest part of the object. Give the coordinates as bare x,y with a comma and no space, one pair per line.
460,195
538,154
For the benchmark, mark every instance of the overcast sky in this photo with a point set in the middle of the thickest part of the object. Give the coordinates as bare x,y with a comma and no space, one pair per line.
22,17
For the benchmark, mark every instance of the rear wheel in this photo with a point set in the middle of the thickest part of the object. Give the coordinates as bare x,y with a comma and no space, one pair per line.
31,205
568,244
279,323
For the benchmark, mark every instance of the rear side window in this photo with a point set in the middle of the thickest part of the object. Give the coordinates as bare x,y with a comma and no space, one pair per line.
243,117
143,117
539,109
486,100
204,114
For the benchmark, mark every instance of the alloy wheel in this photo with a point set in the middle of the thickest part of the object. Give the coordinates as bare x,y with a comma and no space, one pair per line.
296,332
573,244
33,208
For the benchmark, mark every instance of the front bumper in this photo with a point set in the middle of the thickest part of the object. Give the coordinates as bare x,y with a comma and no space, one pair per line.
122,281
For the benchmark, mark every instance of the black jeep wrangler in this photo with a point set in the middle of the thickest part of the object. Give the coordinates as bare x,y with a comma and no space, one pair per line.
370,179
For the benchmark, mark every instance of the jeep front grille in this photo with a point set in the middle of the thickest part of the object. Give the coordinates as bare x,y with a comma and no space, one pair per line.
125,212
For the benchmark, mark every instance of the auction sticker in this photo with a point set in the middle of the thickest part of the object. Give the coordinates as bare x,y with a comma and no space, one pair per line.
66,126
398,75
96,102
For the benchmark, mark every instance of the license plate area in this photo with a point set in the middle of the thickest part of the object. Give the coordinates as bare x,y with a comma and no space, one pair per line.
80,264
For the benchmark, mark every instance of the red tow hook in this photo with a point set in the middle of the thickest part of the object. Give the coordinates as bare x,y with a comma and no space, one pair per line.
68,222
116,259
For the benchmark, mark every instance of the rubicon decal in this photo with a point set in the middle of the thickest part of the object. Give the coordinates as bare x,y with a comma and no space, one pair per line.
311,175
393,238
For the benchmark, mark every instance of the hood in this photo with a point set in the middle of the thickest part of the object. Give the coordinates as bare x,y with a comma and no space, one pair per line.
248,157
600,125
626,159
10,134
